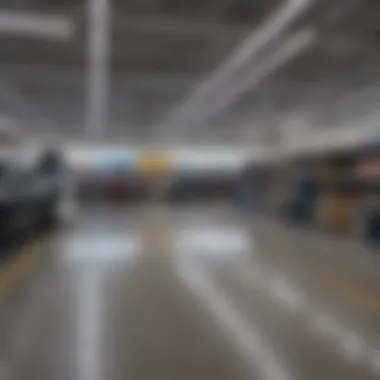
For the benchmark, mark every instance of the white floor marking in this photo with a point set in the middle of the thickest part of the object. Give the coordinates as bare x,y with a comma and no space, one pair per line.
248,340
322,324
212,241
286,293
89,326
102,247
375,361
348,341
276,286
352,345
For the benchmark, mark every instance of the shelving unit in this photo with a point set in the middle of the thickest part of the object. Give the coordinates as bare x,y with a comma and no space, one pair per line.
335,191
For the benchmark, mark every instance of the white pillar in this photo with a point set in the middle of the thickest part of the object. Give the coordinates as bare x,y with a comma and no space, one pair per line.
98,69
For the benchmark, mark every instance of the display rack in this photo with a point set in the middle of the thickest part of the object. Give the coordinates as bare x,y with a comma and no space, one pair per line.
336,191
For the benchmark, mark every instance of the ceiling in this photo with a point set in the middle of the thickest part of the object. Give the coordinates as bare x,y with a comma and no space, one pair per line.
162,49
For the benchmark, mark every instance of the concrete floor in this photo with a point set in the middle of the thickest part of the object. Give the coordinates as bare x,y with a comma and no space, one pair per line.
194,293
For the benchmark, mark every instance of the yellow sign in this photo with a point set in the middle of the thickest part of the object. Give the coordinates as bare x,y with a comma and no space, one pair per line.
155,163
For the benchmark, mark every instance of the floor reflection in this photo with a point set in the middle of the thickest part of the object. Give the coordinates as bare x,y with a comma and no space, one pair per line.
94,247
212,241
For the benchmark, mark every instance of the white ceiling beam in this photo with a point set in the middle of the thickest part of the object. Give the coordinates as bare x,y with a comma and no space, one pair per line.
98,70
36,25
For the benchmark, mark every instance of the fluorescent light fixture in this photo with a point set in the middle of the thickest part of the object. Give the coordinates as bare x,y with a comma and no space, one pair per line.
34,24
288,51
252,45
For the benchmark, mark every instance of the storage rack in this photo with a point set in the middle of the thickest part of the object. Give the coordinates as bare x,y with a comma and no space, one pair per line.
336,191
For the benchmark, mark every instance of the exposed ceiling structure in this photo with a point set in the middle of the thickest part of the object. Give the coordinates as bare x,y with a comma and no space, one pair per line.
161,51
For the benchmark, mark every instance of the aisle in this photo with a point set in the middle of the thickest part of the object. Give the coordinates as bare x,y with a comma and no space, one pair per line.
179,293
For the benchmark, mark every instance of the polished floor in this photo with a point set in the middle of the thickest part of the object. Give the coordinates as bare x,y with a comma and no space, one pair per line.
200,293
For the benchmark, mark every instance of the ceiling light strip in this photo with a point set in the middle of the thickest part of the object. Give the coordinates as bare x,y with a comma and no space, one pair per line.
287,52
257,40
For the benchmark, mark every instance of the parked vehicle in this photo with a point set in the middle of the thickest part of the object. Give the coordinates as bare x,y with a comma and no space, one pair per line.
29,198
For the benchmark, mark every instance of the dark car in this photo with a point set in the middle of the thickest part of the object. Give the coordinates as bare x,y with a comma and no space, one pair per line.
28,199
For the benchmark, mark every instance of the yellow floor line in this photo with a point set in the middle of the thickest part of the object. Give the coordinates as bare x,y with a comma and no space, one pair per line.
21,264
